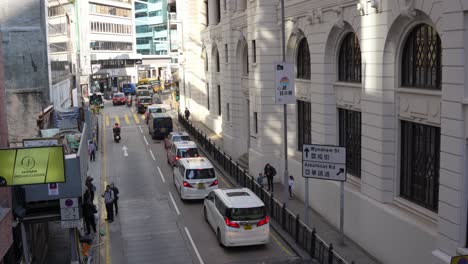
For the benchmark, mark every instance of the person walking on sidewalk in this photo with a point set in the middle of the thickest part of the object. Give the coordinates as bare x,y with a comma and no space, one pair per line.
89,209
91,187
187,113
92,151
269,173
290,185
109,201
116,198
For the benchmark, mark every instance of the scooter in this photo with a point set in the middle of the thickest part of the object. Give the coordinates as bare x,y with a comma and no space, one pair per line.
117,137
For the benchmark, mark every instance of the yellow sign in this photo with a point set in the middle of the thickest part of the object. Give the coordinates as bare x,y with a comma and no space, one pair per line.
459,260
32,165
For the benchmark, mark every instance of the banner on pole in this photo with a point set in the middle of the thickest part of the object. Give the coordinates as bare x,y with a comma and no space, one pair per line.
284,83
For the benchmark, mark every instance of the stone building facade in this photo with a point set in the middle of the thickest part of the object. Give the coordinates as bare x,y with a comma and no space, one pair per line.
386,79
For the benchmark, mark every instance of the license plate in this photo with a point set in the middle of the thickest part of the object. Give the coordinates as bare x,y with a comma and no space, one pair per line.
201,186
247,227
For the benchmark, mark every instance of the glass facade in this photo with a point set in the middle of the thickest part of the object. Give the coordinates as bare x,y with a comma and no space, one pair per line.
151,27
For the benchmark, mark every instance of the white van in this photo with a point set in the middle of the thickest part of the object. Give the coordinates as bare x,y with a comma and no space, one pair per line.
195,178
237,216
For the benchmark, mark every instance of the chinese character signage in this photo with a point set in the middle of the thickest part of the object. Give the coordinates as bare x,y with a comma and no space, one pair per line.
324,162
284,83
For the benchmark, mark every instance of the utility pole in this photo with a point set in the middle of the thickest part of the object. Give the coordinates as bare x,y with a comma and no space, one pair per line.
285,112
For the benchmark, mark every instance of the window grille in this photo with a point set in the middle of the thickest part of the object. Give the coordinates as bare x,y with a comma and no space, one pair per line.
422,55
349,123
419,165
349,60
303,60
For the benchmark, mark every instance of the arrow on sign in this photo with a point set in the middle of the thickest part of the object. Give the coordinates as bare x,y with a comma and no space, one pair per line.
125,149
306,152
341,171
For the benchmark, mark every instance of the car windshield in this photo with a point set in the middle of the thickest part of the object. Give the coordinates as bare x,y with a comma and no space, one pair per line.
244,214
157,110
180,138
118,95
198,174
188,153
145,100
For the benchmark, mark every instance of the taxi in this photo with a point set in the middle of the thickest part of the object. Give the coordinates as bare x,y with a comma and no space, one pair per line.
181,149
175,137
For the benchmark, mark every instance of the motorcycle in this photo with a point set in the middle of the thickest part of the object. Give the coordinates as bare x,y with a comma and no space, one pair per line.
117,137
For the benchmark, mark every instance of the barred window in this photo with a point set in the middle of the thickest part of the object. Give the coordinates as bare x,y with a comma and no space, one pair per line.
217,61
420,158
349,123
109,45
422,55
304,119
110,10
245,60
303,60
349,60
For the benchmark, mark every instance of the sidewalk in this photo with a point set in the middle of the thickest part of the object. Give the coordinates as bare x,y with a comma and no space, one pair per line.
330,234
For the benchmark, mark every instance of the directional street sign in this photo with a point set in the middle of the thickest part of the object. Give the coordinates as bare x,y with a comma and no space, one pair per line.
324,162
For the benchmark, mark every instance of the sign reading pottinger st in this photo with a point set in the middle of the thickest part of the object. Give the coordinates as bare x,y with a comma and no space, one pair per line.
284,83
324,162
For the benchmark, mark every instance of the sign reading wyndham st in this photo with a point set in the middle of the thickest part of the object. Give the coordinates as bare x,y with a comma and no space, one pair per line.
324,162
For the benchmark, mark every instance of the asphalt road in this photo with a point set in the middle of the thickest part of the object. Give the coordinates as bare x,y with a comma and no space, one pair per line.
153,224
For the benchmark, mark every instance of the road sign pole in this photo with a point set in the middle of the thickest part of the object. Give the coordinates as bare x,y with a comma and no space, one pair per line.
285,110
342,213
306,202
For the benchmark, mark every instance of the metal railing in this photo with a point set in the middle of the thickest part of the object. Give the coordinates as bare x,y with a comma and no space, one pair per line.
304,236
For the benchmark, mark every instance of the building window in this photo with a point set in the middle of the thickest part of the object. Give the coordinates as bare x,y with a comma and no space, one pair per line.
219,100
349,123
217,61
226,59
245,60
256,122
254,51
349,60
304,120
420,158
110,10
303,60
207,14
422,56
208,96
228,112
109,45
218,11
57,10
205,60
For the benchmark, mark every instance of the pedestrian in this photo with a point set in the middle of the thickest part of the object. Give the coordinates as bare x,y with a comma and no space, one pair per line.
187,113
91,187
269,173
290,185
89,209
109,201
92,151
260,179
116,198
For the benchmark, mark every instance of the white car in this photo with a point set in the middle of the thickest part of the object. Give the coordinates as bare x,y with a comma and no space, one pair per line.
237,216
194,178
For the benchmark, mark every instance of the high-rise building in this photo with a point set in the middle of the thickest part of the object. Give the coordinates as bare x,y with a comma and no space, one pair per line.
151,27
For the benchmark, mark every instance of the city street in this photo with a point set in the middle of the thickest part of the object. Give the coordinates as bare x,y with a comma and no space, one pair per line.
153,222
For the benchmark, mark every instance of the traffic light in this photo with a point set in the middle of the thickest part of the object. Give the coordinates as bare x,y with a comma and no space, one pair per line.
177,95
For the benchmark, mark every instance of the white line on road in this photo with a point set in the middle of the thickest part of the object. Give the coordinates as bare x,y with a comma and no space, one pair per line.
175,205
146,141
193,245
131,109
151,152
160,173
141,130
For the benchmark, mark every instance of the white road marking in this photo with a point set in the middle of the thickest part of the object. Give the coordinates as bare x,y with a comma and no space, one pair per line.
146,141
141,130
131,109
173,202
125,149
160,173
152,156
193,245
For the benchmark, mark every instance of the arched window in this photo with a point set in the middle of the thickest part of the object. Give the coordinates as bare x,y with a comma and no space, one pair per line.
349,60
217,60
303,60
421,59
245,60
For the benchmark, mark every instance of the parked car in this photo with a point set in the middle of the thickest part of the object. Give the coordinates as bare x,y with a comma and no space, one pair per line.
194,178
175,137
159,125
237,216
154,108
181,149
129,88
119,99
97,99
142,103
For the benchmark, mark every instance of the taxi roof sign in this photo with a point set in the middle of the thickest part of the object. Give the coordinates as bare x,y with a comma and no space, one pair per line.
459,259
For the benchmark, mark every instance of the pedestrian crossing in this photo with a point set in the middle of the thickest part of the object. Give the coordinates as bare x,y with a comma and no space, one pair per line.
123,120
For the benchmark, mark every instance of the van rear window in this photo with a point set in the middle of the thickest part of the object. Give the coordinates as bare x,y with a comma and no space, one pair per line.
180,138
163,121
199,174
188,153
245,214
